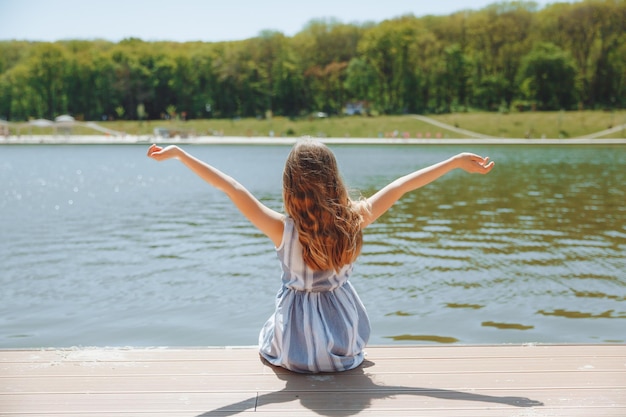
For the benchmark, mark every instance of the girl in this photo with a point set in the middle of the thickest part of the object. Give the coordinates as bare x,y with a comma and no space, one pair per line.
319,324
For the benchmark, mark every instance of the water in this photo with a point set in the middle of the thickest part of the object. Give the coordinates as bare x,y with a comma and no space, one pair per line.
102,246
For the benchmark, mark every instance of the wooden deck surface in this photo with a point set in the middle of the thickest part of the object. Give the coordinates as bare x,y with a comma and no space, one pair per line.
480,381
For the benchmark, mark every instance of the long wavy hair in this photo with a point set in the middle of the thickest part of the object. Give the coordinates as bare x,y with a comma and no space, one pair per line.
327,220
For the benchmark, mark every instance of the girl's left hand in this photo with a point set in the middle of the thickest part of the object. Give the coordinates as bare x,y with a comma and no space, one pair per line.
475,164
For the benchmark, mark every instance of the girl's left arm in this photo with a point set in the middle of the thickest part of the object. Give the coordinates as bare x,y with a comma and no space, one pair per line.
268,221
381,201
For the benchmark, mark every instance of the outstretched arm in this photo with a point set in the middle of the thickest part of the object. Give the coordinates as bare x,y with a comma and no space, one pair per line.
265,219
387,196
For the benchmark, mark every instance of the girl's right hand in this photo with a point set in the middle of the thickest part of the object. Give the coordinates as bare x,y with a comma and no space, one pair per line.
161,154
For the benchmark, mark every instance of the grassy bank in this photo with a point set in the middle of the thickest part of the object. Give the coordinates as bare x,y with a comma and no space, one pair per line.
512,125
338,127
538,124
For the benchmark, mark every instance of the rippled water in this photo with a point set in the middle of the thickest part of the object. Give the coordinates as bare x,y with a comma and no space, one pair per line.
102,246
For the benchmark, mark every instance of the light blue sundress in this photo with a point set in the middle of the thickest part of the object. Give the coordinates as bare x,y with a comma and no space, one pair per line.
320,324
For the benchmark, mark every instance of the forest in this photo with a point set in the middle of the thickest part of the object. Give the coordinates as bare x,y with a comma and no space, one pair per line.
509,56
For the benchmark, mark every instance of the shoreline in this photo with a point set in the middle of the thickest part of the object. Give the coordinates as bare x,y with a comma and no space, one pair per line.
259,140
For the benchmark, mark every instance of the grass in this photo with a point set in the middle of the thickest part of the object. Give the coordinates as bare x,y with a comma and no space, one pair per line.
538,124
512,125
356,127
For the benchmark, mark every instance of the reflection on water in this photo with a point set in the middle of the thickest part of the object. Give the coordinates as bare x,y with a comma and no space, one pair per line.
507,326
472,306
102,246
580,315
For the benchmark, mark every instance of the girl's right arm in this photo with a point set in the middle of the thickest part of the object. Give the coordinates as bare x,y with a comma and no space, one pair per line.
380,202
268,221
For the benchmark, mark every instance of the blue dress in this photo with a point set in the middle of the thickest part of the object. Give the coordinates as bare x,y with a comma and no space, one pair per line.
320,324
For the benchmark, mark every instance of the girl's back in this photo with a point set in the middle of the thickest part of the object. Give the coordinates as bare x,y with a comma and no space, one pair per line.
319,324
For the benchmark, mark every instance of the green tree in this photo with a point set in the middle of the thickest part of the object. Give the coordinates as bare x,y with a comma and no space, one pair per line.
609,75
288,88
325,48
359,78
21,101
103,89
389,50
489,91
228,68
452,77
80,79
498,36
202,58
47,68
134,65
548,76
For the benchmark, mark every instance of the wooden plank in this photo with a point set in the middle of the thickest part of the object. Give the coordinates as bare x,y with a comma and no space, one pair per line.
536,412
252,383
545,380
128,354
323,403
247,366
427,399
121,402
373,352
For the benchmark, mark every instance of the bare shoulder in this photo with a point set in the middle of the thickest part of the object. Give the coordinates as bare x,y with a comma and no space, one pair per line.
276,228
364,209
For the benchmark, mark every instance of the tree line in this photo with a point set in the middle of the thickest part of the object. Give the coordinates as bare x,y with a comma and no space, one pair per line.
505,56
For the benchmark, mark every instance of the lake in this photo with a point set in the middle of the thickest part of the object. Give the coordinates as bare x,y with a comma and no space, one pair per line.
103,246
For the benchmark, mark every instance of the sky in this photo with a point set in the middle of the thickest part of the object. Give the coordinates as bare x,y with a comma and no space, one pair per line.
199,20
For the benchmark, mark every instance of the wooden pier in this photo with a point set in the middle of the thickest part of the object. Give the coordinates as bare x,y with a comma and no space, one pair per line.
450,381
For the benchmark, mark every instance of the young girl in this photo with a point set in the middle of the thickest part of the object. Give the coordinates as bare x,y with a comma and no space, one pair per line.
319,324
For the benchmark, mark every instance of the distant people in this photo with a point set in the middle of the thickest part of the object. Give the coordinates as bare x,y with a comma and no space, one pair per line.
319,324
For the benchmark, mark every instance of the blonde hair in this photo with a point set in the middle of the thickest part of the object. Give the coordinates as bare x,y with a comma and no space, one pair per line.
327,220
